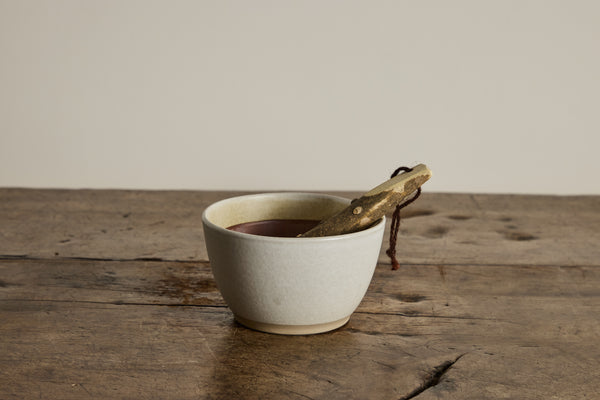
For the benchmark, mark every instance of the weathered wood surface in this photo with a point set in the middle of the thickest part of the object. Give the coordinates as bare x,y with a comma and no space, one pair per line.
88,328
512,313
437,228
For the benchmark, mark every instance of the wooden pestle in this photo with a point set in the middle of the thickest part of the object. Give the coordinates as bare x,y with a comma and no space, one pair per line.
373,205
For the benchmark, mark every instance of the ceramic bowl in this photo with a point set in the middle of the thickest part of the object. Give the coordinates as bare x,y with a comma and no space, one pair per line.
289,285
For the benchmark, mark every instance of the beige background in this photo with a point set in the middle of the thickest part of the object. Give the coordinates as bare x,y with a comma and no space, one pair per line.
495,96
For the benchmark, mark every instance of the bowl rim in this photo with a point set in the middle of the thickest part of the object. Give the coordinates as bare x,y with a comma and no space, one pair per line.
249,236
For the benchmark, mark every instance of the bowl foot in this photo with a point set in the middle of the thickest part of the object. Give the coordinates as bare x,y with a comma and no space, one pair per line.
292,329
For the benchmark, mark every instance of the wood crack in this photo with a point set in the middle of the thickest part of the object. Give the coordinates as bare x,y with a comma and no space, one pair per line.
26,257
116,303
433,378
420,315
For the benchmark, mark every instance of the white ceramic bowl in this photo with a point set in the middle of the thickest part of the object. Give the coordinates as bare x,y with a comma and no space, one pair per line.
289,285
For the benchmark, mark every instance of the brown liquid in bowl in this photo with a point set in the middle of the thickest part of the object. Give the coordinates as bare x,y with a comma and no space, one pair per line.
276,227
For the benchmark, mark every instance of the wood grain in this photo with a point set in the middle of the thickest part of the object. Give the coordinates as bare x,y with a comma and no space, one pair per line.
160,329
437,228
498,296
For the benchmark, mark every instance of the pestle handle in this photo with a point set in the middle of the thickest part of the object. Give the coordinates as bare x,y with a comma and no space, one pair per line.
373,205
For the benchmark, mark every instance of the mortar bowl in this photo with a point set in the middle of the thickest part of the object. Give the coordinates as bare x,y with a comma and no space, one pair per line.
289,285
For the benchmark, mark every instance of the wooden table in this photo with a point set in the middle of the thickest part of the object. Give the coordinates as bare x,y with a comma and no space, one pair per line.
109,294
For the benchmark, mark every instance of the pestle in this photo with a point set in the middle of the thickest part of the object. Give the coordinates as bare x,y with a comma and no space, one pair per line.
370,207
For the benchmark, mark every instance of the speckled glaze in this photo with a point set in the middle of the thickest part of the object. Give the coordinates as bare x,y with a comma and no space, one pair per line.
289,285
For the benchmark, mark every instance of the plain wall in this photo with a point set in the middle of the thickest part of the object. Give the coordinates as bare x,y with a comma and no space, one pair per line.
494,96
